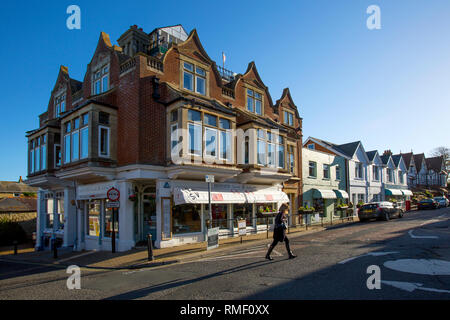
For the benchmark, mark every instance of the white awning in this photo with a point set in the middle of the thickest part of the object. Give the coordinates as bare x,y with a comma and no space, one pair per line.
393,192
407,192
324,194
182,196
341,194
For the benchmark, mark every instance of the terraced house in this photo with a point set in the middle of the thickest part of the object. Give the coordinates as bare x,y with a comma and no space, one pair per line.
152,116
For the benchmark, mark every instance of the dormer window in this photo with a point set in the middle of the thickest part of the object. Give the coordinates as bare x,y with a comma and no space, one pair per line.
101,80
254,102
60,105
194,78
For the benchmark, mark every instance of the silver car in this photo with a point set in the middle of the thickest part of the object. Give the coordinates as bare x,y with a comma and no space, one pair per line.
443,201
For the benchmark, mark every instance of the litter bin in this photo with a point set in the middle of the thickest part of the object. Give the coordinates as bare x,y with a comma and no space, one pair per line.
408,205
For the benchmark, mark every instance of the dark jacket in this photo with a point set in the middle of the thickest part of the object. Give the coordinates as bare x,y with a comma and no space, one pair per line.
279,231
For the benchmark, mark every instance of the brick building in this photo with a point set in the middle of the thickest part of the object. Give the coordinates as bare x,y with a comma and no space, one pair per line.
154,115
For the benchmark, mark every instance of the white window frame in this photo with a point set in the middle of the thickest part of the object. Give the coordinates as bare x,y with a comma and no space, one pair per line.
315,169
253,98
64,160
325,165
195,124
229,137
195,75
102,74
100,144
216,143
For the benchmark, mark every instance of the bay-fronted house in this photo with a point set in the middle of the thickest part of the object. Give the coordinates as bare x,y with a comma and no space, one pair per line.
375,177
324,184
408,159
394,172
152,117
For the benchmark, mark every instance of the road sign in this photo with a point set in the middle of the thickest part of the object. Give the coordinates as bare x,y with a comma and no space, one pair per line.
213,238
113,204
113,194
242,226
209,178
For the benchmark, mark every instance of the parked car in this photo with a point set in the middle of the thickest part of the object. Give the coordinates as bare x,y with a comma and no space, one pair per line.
427,204
379,210
442,201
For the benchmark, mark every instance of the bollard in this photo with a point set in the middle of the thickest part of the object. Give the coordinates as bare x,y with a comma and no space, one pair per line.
267,228
150,247
55,249
15,247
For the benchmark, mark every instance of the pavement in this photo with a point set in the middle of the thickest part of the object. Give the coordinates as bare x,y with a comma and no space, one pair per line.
138,257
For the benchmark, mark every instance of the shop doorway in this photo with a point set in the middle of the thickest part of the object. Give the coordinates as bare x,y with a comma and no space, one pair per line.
147,214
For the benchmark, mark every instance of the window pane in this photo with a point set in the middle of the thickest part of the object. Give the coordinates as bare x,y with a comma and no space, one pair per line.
44,157
249,104
63,106
188,81
261,152
280,156
76,123
225,145
97,87
200,71
104,143
37,159
93,220
174,116
194,115
58,156
326,171
103,118
200,85
75,146
257,95
211,142
210,120
195,139
249,92
85,119
271,155
285,117
173,138
291,119
186,219
291,162
261,134
32,161
224,123
67,149
188,66
84,143
105,84
258,107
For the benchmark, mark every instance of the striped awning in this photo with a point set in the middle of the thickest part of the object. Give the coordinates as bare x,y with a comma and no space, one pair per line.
341,194
393,192
407,192
324,194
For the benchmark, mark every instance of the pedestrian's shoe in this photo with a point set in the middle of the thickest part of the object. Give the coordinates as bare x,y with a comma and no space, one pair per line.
292,256
268,257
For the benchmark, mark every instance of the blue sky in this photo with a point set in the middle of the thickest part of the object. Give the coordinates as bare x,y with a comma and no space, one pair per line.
389,88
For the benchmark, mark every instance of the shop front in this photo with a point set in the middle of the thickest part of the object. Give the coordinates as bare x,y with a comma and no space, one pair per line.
184,211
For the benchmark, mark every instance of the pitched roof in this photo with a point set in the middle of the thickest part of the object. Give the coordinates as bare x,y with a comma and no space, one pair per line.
418,158
371,154
13,187
407,157
396,158
385,159
435,163
18,205
349,148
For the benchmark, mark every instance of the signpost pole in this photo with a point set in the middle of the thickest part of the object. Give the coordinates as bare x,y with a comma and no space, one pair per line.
113,236
209,204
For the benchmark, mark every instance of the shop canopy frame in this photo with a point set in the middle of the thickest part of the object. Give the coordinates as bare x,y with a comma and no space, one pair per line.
406,192
393,192
341,194
324,194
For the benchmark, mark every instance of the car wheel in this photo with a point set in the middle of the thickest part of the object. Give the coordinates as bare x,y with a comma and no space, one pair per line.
400,214
386,216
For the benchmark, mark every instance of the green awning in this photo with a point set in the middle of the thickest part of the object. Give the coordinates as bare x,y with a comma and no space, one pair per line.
341,194
393,192
324,194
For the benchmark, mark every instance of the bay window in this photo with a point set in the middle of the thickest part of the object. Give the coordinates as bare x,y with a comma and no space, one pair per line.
225,139
291,158
210,142
261,147
84,136
280,148
103,145
67,144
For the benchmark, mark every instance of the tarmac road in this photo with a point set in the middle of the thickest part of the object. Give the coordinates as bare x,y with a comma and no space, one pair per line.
412,256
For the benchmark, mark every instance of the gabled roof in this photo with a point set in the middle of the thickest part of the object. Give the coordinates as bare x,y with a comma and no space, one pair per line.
435,163
396,158
15,187
418,158
287,95
18,205
371,154
407,157
385,159
328,145
349,148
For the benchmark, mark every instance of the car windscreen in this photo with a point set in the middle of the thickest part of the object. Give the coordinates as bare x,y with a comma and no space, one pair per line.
369,206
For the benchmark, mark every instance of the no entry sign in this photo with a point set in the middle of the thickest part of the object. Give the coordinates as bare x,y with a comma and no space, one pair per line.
113,194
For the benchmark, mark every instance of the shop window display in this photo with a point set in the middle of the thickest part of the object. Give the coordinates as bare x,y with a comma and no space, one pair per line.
186,219
93,218
243,211
264,211
219,215
108,226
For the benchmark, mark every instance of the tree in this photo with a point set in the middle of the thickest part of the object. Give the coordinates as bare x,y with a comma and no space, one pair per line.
445,153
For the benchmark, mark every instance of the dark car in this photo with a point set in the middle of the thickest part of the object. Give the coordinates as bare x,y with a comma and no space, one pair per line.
379,210
427,204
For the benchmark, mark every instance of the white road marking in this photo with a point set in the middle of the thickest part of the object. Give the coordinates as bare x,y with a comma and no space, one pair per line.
410,287
375,254
77,256
410,232
420,266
